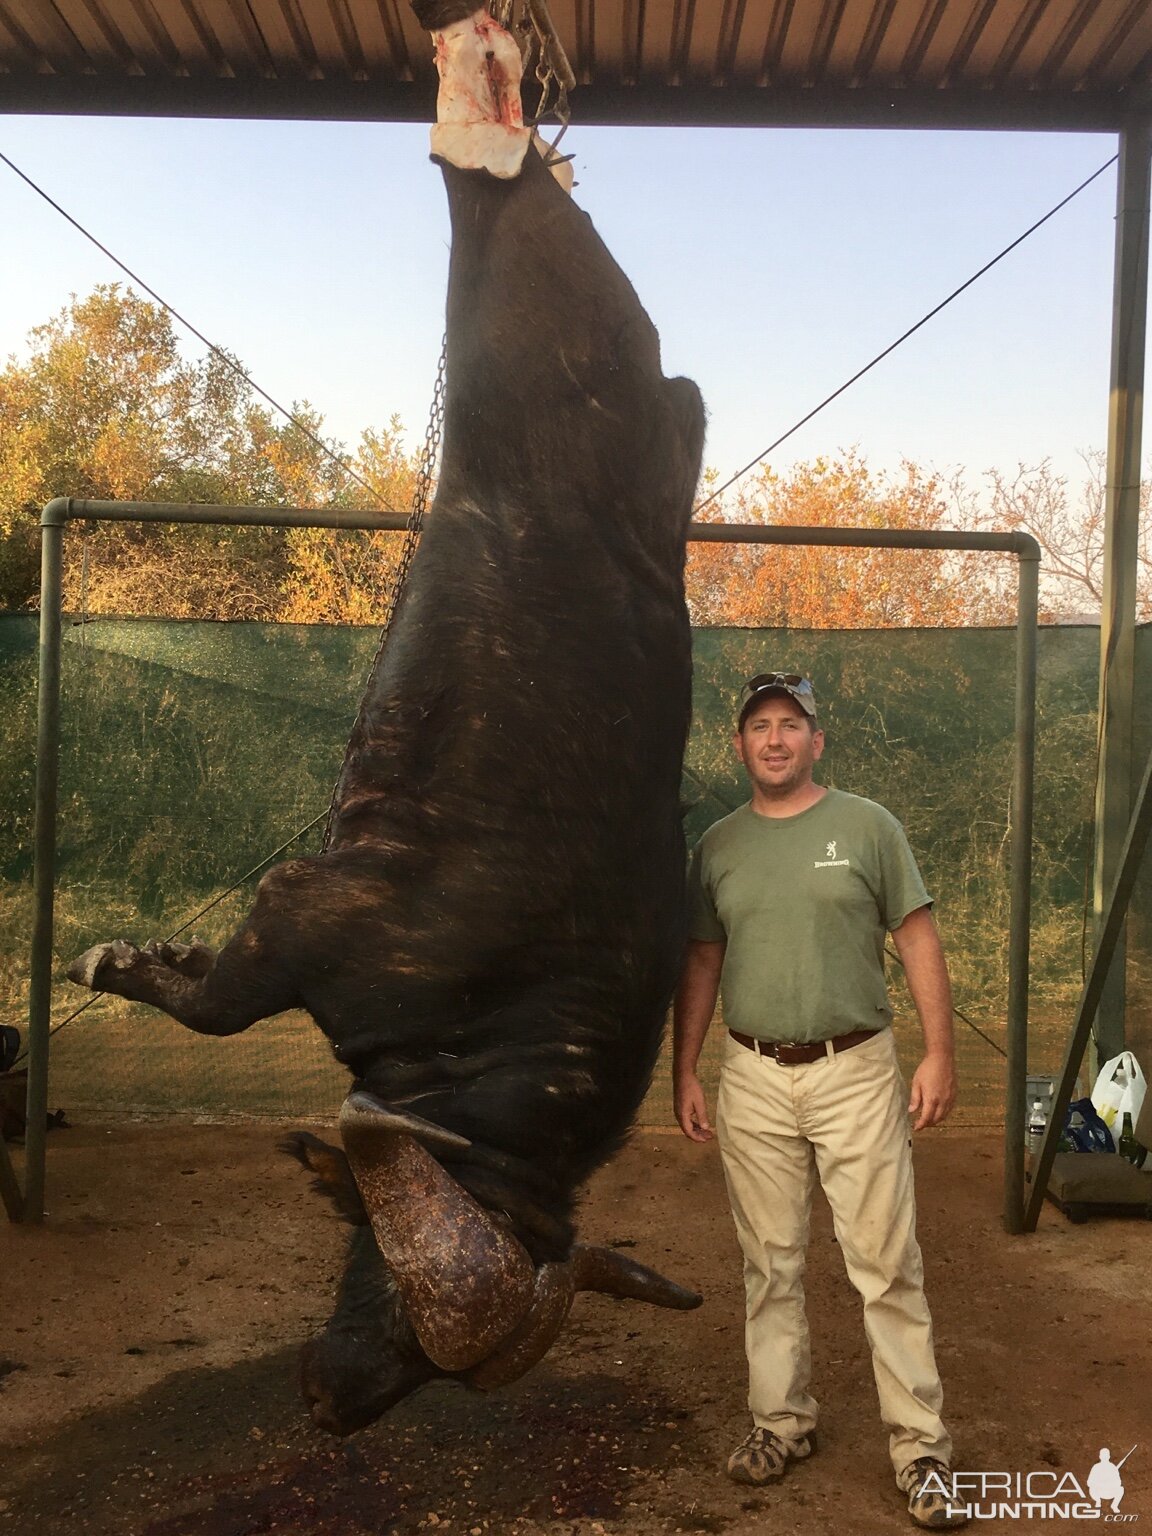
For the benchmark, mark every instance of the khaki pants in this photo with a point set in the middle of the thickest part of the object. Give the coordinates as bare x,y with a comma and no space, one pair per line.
845,1118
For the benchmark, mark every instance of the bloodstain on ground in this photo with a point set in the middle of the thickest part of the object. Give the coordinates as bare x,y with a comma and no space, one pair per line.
151,1327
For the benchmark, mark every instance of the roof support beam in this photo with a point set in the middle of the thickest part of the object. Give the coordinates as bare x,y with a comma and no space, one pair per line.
642,105
1114,786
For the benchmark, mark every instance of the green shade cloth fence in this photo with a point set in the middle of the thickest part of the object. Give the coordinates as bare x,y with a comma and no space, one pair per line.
190,750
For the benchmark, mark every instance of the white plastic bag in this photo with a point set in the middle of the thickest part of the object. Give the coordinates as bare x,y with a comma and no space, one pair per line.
1119,1090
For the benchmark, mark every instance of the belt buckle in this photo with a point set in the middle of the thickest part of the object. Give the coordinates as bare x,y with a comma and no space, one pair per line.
773,1051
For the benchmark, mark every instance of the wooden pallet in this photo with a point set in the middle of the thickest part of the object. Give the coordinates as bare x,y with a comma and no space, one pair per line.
1087,1184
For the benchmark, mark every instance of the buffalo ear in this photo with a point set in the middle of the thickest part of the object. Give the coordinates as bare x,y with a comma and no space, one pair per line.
333,1176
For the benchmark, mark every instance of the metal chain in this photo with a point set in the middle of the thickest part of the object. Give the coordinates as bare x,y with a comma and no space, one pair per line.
425,472
421,491
530,23
553,71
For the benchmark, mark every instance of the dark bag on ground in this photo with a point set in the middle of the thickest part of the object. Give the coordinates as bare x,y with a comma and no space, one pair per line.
1093,1135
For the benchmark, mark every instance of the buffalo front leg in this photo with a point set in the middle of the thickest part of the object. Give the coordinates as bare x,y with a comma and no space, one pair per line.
213,994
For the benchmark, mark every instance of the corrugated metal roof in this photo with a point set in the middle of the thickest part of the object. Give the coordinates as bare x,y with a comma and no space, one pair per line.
1072,63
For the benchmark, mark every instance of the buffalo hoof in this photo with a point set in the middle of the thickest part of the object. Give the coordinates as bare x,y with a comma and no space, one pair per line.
97,966
193,959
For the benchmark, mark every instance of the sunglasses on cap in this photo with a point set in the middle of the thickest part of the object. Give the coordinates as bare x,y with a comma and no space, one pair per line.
792,683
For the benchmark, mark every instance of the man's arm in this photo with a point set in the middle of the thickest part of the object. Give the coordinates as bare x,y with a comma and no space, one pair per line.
691,1015
922,956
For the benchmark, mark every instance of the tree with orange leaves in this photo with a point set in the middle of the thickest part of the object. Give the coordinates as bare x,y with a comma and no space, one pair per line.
802,587
106,406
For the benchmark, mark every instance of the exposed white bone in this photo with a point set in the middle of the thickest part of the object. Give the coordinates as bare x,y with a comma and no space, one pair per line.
482,147
480,121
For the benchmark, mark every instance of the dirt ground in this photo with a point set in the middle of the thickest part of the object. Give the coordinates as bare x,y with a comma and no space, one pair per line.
148,1335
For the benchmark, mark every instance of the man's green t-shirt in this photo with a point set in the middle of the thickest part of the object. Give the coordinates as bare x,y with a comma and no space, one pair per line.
804,903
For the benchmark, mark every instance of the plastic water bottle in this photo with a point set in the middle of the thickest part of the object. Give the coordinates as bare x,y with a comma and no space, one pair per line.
1037,1125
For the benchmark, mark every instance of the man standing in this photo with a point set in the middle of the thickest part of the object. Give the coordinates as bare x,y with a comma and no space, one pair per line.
790,900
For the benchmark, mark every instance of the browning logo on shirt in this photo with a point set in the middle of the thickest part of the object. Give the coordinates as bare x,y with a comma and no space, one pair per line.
831,862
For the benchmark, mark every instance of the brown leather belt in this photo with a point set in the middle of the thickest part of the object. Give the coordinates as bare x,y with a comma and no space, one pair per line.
797,1055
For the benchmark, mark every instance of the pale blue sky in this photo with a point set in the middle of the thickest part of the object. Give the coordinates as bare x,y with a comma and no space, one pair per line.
775,263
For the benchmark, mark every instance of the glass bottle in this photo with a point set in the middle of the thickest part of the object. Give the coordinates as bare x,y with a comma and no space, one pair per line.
1068,1138
1129,1148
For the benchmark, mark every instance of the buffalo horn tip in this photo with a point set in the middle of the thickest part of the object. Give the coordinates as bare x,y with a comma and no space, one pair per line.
609,1272
363,1111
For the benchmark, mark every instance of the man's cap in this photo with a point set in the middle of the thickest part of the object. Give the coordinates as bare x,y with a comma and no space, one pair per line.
794,684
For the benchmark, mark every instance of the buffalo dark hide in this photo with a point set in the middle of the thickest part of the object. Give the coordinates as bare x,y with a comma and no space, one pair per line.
492,935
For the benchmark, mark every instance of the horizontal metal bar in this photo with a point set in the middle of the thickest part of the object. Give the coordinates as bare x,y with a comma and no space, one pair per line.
1094,110
66,509
1022,545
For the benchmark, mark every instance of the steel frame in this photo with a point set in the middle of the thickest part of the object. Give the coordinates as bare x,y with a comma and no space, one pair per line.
28,1204
1116,769
1107,941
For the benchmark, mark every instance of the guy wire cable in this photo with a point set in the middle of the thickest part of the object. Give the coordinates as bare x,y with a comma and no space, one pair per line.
911,331
344,463
313,438
892,955
716,794
195,918
879,358
316,440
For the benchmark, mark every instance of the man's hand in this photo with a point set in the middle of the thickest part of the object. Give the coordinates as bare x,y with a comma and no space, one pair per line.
691,1108
933,1090
692,1012
934,1084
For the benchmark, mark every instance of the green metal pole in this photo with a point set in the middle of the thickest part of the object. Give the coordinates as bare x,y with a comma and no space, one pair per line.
1115,911
1115,773
52,524
1020,919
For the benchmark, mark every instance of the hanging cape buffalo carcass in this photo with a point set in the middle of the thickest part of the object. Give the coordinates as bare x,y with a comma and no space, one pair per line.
492,934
